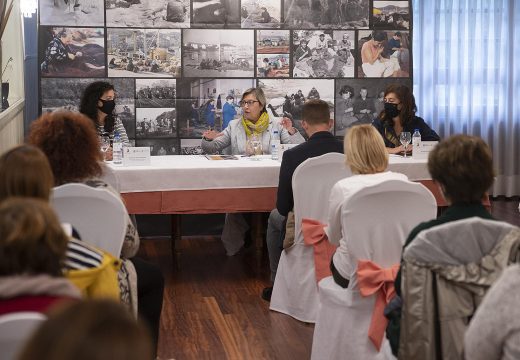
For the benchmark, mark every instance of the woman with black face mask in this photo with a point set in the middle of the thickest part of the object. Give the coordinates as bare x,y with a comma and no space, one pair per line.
397,116
97,102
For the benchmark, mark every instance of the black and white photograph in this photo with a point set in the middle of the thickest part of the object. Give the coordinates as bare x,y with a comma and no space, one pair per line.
387,15
272,65
218,53
384,53
272,41
160,147
148,13
72,52
191,147
156,122
359,101
323,54
217,14
72,12
155,92
209,104
60,93
326,14
285,97
260,13
144,52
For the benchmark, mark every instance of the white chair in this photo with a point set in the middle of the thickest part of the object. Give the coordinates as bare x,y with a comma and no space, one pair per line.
15,330
295,291
98,215
377,220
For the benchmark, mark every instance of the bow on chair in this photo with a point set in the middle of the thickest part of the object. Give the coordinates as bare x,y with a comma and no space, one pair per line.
314,235
373,279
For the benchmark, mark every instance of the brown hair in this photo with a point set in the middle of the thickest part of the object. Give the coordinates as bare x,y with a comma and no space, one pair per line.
91,330
31,238
365,151
25,171
407,100
463,166
316,112
71,144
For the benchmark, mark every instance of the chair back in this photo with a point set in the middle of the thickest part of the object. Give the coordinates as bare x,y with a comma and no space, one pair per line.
98,215
15,330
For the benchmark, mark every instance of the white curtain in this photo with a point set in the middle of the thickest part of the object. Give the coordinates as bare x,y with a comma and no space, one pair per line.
466,70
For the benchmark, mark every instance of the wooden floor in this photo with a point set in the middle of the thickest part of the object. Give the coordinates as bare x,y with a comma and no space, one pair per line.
212,306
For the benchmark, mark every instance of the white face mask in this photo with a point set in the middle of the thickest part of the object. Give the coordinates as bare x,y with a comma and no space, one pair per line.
230,101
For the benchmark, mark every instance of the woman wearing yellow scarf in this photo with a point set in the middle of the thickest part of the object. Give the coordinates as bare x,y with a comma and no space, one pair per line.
255,121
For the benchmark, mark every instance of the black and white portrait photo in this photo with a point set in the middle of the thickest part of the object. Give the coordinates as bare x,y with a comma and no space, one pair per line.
72,52
155,92
216,13
384,53
148,13
260,13
160,147
326,14
144,52
387,15
209,104
272,65
72,12
359,101
272,41
218,53
156,122
319,54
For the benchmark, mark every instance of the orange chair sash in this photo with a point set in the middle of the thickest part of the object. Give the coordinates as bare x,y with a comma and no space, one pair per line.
314,235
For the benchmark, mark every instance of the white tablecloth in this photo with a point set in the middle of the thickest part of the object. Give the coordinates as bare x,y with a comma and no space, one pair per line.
186,172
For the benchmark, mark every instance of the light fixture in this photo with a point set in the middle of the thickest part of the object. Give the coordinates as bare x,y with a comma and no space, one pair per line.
28,7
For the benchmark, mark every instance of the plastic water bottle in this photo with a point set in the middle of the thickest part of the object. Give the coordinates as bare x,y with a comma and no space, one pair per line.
416,139
117,149
275,145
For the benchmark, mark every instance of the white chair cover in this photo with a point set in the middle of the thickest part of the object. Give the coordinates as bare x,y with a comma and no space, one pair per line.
295,292
15,330
98,215
377,220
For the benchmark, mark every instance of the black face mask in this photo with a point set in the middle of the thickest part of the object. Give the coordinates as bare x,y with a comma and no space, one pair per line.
108,106
391,110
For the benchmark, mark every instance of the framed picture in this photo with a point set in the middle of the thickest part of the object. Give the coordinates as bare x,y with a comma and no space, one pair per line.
262,14
160,147
272,41
216,14
388,15
272,65
72,12
148,13
156,122
155,92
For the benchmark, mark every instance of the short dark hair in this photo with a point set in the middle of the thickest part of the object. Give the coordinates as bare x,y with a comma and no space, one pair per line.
345,89
397,33
316,112
89,103
379,36
463,166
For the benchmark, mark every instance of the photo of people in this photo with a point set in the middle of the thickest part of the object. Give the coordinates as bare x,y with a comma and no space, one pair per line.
260,13
272,65
155,92
285,97
208,104
160,147
384,53
319,54
72,52
216,13
144,52
359,101
272,41
191,147
218,53
72,12
326,14
148,13
391,15
156,122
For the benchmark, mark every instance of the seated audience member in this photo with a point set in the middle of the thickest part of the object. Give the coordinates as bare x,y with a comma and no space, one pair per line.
32,251
317,124
398,116
25,172
494,331
91,330
70,142
254,123
462,167
367,158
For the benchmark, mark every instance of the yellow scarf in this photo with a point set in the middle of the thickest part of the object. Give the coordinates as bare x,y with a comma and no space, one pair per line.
256,128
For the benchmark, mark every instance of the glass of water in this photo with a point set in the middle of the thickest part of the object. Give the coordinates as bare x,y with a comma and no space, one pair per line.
405,138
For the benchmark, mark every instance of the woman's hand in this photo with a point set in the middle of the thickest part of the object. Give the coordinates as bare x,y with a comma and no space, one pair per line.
399,150
288,125
211,134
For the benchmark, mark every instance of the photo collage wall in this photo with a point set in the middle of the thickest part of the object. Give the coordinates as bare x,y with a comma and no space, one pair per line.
176,64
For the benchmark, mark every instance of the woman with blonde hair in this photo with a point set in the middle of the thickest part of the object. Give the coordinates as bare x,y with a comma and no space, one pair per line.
366,155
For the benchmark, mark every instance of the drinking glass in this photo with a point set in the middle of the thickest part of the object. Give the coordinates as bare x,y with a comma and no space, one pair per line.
405,138
104,141
256,147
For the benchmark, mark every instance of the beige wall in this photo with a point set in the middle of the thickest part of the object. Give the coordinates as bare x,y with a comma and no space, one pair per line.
11,126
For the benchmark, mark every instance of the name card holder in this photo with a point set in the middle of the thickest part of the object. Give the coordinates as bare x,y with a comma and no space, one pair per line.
136,156
282,148
424,148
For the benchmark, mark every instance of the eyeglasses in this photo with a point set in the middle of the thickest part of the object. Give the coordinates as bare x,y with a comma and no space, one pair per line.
248,102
